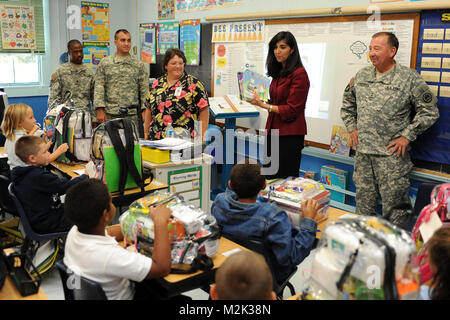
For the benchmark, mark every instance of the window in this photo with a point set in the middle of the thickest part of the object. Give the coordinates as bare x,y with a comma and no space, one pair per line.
19,69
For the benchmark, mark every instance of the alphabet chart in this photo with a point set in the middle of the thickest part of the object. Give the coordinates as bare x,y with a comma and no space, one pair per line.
17,27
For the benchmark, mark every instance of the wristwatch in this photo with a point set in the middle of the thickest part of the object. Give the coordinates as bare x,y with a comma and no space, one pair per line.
270,108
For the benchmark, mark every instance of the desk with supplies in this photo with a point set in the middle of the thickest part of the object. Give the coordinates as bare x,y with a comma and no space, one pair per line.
76,169
175,284
333,215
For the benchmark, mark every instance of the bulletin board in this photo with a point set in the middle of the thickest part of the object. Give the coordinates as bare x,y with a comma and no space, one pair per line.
433,63
343,44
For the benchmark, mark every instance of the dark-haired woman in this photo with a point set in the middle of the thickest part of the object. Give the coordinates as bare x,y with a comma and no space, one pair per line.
177,98
286,107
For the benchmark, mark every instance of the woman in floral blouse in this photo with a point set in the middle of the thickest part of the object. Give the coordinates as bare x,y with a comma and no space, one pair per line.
178,98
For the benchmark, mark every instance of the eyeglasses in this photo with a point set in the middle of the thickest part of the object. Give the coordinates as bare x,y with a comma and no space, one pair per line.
173,64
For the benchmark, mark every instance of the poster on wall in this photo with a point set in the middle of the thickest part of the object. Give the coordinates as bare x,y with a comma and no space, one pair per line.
93,52
241,31
166,9
233,58
94,21
18,27
147,33
192,5
168,35
190,40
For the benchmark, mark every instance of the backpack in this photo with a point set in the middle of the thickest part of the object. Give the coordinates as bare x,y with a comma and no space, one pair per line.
51,114
74,127
116,154
193,233
440,198
64,123
363,258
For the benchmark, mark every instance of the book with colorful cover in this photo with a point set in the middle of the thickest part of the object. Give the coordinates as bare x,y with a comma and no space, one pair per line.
332,176
255,82
340,141
240,76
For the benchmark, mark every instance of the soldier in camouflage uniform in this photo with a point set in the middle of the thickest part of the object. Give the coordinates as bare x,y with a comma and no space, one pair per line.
378,107
73,76
120,81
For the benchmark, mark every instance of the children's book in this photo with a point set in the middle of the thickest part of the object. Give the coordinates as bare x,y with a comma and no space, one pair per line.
240,76
335,177
340,141
255,82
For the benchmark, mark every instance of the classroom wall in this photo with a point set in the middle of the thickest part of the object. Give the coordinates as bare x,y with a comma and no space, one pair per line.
147,8
122,15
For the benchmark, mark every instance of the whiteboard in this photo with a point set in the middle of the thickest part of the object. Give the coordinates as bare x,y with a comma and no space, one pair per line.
332,53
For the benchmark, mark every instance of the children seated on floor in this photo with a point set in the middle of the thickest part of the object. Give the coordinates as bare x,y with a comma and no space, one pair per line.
92,249
38,189
240,214
245,275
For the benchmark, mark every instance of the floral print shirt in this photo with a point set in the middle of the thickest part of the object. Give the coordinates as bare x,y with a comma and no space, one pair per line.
179,105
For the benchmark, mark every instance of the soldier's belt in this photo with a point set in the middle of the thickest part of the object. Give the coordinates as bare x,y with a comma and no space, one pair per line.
123,110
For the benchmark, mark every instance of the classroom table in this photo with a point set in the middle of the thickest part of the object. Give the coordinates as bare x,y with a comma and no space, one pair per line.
70,170
333,215
175,284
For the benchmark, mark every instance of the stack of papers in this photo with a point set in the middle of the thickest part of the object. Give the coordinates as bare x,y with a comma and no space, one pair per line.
167,144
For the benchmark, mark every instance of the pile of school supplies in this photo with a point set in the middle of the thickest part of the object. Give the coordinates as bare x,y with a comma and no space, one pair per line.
363,258
191,230
290,192
170,149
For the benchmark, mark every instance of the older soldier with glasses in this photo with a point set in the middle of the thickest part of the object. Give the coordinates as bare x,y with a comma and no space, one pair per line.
385,107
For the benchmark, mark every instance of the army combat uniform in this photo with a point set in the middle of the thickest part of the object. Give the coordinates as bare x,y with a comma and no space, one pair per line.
76,78
119,82
382,110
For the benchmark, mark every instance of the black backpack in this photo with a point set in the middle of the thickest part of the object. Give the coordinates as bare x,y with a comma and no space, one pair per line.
116,143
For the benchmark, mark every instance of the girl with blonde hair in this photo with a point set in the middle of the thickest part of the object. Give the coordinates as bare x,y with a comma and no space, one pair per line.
19,121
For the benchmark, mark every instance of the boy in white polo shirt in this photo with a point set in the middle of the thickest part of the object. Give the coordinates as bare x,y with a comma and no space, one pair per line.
93,252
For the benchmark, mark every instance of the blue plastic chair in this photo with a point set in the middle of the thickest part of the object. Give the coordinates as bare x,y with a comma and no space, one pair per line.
30,235
86,290
261,248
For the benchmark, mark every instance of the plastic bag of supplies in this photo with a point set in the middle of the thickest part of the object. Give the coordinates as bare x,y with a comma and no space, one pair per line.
363,258
194,234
